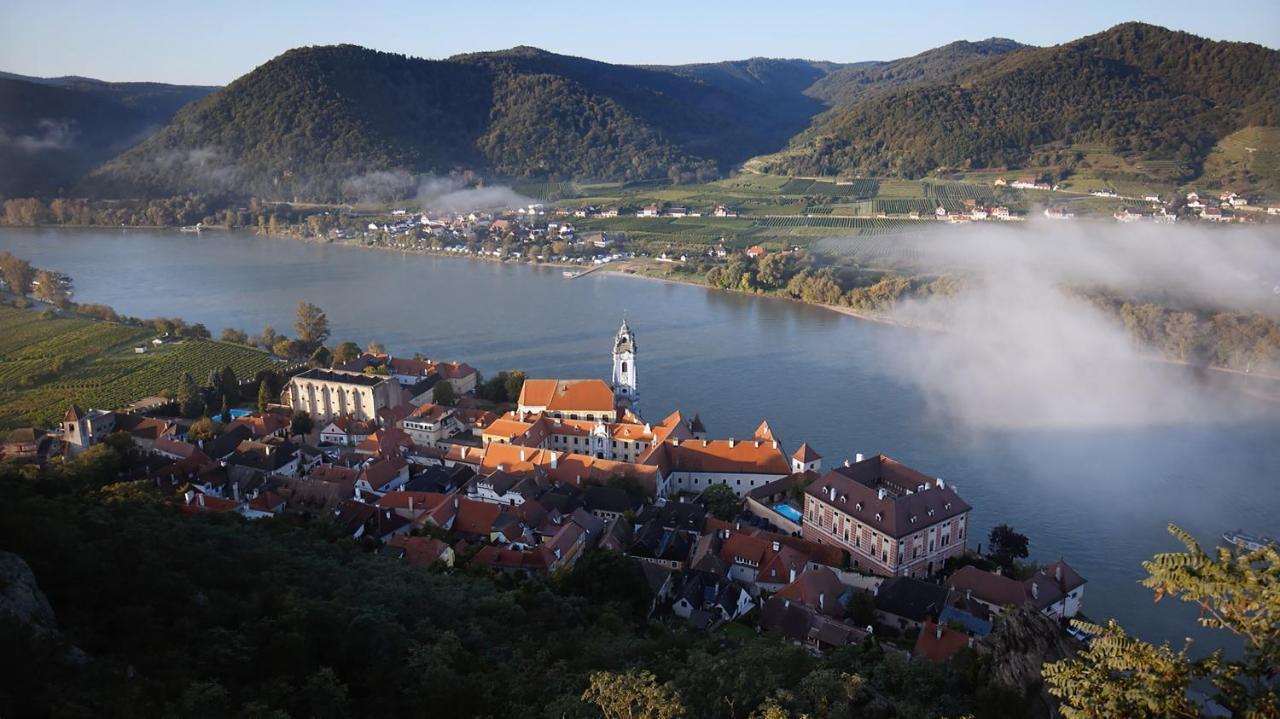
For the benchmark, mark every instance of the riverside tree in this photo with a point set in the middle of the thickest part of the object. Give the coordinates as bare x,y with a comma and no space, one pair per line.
1237,591
311,325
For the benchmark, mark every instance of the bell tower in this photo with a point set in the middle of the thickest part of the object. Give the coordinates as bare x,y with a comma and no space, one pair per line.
624,369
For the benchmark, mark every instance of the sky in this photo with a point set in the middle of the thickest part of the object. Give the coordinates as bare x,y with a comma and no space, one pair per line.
213,43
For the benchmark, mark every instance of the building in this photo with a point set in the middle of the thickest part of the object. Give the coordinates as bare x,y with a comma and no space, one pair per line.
692,465
588,399
893,520
81,430
326,394
624,370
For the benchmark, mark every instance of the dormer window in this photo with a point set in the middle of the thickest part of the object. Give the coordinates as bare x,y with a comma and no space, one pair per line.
877,516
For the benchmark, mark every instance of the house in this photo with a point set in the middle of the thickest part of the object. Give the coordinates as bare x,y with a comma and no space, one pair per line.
1024,183
892,519
609,503
818,589
993,591
660,545
649,211
429,424
168,446
1056,591
755,251
346,431
263,424
940,211
905,602
24,444
724,211
937,643
806,627
267,457
419,551
724,599
383,475
1058,213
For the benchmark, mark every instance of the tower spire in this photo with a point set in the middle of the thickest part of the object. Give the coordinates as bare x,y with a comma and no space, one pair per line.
624,368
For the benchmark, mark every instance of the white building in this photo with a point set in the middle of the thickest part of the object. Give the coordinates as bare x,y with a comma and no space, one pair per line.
325,394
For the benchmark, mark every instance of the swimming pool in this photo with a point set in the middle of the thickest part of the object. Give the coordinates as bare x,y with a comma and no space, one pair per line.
788,511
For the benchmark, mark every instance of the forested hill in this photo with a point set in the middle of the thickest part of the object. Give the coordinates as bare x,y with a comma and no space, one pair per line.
1135,88
316,122
845,85
53,130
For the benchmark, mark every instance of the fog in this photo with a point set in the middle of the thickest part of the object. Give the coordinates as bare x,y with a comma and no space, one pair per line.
1017,349
440,194
51,135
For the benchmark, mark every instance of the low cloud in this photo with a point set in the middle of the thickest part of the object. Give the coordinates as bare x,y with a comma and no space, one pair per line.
1020,348
51,134
444,194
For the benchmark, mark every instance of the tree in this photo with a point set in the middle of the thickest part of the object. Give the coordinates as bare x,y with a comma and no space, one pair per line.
229,384
231,334
17,273
1006,545
190,403
721,502
345,352
633,695
322,357
225,415
376,348
202,430
284,347
311,325
301,424
512,384
1236,590
442,393
49,288
264,396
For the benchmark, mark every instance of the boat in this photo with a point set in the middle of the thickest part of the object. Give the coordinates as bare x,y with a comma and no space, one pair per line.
1247,541
571,274
193,228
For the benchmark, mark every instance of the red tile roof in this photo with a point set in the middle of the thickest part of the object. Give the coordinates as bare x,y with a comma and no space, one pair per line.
988,586
937,643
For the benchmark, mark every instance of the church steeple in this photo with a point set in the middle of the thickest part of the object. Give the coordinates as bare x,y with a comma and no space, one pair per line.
624,369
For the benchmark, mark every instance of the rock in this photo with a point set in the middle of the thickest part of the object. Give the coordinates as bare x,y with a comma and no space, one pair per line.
21,596
1022,642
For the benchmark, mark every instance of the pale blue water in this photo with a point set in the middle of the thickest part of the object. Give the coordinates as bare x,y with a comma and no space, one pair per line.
1101,498
788,511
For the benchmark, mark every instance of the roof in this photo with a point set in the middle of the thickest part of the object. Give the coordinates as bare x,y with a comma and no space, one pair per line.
419,551
972,624
911,598
911,501
475,517
988,586
329,375
1051,584
567,395
724,456
806,454
73,413
819,589
937,643
609,499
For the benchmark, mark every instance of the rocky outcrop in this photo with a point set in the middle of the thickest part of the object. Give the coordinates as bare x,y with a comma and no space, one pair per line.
1023,641
21,596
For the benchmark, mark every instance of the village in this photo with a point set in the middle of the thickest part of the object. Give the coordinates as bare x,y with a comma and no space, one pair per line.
730,533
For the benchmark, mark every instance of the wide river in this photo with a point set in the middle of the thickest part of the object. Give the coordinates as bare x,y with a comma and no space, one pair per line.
1100,497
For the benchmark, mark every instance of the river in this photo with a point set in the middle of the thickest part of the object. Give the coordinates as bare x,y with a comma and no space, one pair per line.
1100,498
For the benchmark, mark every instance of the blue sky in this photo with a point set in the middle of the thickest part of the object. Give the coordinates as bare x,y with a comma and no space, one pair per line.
215,42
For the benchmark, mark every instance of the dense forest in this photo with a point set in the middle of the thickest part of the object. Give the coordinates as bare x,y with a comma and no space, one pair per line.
52,131
322,122
1135,89
155,613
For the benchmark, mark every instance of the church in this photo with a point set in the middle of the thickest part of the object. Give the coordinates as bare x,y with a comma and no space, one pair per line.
588,399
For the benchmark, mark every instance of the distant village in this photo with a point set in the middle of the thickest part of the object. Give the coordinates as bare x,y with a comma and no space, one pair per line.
402,456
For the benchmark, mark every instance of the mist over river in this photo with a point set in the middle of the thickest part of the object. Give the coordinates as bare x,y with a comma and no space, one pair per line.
1099,496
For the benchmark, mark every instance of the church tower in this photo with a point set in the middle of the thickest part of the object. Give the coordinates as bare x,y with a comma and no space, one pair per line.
624,369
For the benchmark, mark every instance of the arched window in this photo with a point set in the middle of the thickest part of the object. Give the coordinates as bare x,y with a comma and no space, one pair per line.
624,367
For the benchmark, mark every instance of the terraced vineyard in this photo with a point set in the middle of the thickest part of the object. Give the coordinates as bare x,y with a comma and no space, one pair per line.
46,364
839,223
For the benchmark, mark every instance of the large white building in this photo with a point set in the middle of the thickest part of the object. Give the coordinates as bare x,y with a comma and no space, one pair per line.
624,370
325,394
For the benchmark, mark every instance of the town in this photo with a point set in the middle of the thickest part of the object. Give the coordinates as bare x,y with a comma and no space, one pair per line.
731,533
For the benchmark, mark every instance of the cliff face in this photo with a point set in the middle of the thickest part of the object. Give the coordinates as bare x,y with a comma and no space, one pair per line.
21,596
1023,641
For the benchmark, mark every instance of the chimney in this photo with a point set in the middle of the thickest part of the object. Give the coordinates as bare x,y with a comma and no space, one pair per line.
1057,572
777,546
880,493
502,467
410,504
555,460
822,600
847,463
724,533
937,631
793,574
732,442
857,457
832,493
1035,590
941,484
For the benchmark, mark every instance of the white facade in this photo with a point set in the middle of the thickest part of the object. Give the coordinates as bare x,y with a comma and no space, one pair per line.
624,368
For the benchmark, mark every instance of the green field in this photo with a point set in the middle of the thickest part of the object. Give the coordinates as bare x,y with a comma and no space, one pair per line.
48,363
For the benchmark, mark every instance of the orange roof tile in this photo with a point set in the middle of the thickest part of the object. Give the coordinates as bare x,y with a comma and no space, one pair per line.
568,395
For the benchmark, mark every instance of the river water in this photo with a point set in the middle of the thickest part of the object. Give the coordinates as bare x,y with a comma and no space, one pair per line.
1101,498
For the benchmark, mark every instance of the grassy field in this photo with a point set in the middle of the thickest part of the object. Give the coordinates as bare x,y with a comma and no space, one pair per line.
1248,158
48,363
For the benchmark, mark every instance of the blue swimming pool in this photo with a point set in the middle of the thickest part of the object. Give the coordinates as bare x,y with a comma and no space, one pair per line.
238,413
788,511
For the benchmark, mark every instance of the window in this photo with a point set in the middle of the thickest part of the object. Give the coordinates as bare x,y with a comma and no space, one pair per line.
624,367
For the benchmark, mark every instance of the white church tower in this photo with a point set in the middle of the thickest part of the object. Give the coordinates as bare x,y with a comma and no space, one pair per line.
624,369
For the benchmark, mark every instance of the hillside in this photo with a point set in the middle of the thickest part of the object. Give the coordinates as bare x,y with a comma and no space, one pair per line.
54,130
316,122
846,85
1139,90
